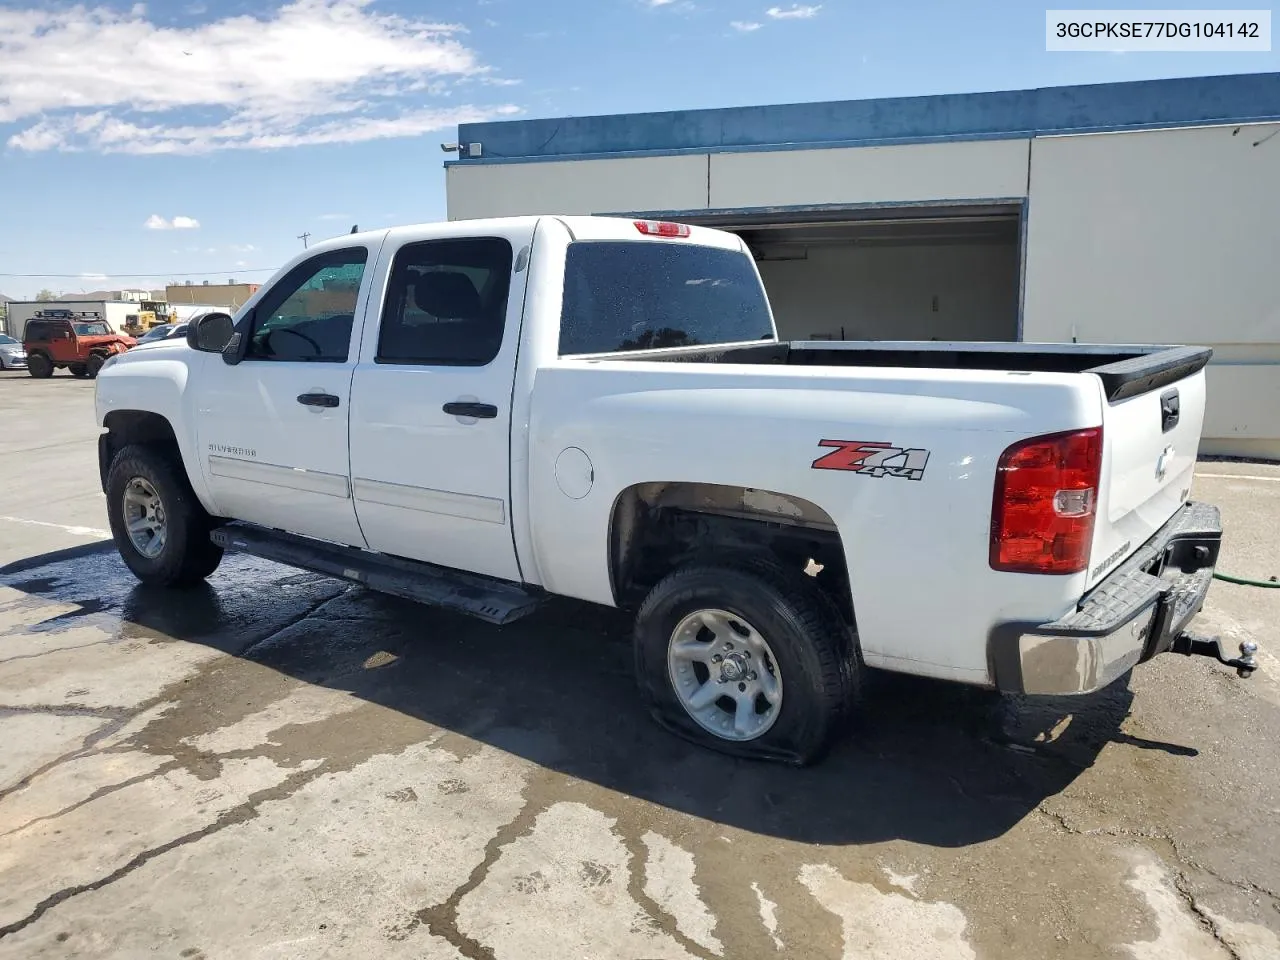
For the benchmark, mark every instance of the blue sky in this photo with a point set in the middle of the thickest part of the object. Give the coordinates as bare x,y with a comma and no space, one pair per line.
202,137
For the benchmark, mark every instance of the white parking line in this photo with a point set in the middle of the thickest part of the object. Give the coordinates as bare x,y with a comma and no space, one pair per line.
1235,476
74,531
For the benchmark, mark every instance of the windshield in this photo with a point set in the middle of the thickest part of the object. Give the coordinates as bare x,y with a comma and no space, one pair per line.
627,295
92,330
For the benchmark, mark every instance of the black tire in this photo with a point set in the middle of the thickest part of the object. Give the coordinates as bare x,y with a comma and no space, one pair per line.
78,369
39,366
814,650
94,365
188,556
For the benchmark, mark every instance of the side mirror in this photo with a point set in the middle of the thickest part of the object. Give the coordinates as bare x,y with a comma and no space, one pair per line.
210,333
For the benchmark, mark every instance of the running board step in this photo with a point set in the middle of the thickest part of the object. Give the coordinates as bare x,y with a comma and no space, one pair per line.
496,601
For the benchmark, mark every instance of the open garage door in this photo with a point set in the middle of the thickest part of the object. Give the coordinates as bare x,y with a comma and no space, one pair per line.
910,273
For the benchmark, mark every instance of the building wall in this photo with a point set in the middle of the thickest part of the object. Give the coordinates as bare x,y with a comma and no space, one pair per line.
908,173
113,312
1164,236
1167,237
887,293
213,294
576,186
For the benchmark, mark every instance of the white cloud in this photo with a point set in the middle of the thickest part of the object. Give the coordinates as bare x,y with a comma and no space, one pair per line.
659,3
157,222
311,71
334,216
793,12
745,26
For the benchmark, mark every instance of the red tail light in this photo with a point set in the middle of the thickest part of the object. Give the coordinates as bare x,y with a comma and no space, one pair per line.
1045,502
662,228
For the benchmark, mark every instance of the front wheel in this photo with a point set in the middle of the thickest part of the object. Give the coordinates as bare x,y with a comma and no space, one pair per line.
77,369
39,366
94,365
748,658
158,526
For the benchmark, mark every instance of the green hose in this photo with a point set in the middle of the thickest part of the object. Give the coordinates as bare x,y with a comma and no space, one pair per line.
1271,584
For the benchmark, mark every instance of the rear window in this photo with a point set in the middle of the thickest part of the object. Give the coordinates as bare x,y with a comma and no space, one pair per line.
626,295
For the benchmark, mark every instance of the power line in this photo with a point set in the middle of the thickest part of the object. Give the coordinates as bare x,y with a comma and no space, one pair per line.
117,276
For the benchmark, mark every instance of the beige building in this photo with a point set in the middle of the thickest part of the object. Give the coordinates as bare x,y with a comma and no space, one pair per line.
1129,212
210,294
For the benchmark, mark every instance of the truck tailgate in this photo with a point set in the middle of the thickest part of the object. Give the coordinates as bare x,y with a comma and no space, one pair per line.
1151,436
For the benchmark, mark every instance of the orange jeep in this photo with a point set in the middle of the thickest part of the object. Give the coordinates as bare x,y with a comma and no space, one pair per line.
57,338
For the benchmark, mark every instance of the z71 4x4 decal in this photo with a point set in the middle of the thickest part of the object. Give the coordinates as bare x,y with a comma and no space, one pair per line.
873,459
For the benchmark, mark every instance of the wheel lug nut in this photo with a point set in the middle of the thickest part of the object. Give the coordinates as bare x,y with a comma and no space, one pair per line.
751,675
716,658
728,646
746,654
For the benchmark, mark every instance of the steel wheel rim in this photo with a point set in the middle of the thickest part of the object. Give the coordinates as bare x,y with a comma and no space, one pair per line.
144,518
725,675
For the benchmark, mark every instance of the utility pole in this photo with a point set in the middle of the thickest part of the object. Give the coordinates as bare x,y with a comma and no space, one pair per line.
303,237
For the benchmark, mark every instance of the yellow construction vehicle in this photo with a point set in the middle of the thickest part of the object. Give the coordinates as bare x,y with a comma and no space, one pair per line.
151,313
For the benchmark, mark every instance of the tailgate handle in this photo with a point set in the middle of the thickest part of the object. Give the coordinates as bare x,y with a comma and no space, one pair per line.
1168,410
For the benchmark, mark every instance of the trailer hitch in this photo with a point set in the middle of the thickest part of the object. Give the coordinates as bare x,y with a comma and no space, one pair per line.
1190,644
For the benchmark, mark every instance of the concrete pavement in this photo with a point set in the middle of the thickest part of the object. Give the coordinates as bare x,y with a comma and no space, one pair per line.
280,765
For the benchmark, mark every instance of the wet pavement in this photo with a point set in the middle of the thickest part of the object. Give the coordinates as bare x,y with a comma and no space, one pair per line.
281,765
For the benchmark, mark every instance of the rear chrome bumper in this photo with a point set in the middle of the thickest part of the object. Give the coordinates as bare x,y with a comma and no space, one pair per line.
1140,610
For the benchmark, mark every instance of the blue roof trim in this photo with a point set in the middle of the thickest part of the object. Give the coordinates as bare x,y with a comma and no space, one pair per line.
1093,108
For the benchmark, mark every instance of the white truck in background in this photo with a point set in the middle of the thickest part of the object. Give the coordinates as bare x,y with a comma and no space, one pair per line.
479,414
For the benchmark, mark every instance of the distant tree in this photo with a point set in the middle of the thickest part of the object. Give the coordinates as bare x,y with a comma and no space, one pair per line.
46,294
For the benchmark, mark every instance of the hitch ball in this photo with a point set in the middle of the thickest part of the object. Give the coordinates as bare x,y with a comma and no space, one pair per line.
1248,662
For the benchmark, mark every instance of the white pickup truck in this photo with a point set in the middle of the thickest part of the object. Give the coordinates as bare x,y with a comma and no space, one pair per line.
480,414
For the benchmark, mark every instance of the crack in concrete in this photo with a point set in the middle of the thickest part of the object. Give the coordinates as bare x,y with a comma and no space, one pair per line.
98,794
305,615
662,920
45,653
241,813
65,710
441,920
113,718
1207,922
1121,833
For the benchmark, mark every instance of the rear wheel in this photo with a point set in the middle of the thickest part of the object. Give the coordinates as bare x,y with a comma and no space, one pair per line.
95,364
748,658
157,523
78,369
39,366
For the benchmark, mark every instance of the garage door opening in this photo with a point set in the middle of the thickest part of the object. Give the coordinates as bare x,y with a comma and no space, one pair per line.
903,274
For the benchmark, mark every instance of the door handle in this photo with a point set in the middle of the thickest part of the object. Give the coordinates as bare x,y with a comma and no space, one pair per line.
481,411
318,399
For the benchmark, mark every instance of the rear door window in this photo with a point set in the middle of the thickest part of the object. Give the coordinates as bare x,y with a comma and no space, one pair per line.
446,302
628,295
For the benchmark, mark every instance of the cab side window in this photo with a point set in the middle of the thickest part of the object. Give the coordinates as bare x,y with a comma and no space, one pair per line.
446,302
308,315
